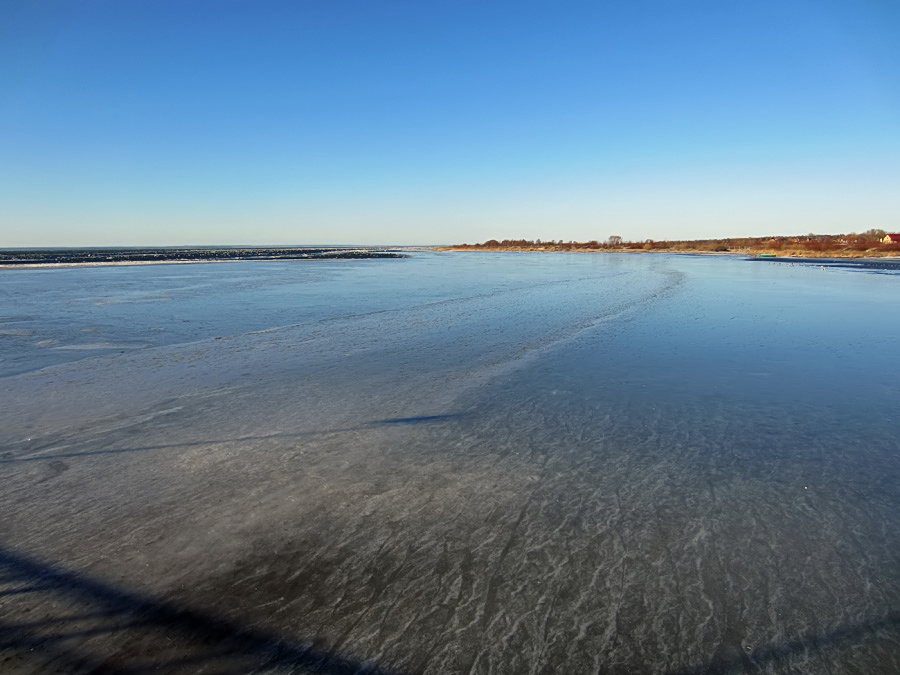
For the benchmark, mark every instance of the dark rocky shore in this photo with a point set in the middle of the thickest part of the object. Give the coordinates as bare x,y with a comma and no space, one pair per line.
149,255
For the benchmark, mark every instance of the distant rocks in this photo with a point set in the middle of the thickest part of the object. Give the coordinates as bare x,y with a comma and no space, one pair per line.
72,256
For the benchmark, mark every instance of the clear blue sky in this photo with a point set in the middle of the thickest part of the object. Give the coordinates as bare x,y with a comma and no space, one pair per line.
158,122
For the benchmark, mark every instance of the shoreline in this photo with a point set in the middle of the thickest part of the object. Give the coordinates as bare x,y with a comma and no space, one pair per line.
750,253
121,263
61,258
377,254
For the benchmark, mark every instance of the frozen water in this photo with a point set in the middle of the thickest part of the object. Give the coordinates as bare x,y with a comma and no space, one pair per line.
452,463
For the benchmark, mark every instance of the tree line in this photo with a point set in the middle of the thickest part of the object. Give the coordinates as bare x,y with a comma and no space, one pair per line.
869,241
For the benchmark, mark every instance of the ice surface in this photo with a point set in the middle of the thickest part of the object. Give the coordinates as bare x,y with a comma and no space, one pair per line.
452,463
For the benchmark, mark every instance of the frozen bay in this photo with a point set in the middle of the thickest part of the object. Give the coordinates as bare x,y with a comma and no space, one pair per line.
485,463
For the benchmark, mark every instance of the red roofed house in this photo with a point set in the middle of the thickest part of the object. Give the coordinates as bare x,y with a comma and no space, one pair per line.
891,239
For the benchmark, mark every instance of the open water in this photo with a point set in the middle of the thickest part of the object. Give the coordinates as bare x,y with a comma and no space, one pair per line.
451,463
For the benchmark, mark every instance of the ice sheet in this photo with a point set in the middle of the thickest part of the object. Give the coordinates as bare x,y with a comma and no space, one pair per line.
461,463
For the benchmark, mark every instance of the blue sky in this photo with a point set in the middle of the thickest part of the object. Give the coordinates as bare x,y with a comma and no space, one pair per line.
163,122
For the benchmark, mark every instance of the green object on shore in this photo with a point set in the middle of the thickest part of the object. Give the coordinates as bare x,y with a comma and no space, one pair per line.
767,255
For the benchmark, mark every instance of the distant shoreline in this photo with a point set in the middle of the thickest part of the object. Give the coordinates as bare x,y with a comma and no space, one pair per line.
752,253
873,243
101,257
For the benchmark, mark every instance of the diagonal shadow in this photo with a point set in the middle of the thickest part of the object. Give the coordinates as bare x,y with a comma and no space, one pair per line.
72,623
395,421
739,661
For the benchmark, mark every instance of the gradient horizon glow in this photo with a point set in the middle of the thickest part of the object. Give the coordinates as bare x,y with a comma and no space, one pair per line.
167,122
